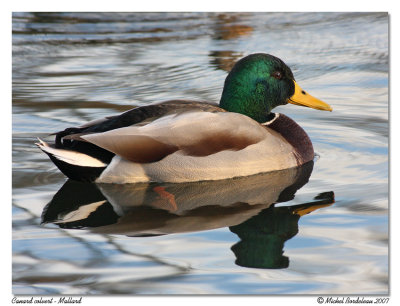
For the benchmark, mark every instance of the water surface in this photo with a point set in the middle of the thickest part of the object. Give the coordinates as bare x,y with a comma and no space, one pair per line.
322,229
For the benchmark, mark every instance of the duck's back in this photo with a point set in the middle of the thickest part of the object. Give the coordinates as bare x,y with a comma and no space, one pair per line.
176,141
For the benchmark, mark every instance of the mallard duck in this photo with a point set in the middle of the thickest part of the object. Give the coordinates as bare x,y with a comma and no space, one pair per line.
186,141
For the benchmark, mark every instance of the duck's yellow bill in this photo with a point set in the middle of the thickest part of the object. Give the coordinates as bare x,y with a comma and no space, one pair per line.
302,98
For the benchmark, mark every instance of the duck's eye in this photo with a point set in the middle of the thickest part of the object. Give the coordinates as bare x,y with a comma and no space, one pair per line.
277,75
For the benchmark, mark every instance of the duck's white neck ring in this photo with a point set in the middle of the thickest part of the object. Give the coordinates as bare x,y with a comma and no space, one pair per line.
276,116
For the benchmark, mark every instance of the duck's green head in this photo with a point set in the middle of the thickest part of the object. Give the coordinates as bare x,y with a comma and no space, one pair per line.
258,83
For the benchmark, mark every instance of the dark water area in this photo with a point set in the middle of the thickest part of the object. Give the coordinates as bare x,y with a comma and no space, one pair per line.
318,229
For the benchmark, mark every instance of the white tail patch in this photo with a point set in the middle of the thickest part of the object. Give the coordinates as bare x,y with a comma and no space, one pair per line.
71,157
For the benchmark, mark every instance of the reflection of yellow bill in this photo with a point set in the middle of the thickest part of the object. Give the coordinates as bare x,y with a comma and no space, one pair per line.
302,98
306,209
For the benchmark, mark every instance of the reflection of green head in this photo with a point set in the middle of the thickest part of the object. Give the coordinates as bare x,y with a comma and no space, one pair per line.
263,237
262,252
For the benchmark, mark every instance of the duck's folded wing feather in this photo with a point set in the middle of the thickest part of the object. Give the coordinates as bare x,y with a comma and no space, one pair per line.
195,133
139,116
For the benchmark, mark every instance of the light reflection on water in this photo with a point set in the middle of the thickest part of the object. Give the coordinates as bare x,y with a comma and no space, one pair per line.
75,67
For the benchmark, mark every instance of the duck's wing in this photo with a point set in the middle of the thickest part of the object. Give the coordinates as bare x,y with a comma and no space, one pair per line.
80,159
192,132
138,116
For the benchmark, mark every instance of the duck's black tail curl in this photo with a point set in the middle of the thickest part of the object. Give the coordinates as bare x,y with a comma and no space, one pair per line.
75,165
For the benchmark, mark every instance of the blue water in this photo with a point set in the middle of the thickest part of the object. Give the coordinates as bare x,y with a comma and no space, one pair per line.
69,68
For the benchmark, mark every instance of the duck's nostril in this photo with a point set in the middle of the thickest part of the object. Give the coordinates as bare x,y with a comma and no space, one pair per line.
303,92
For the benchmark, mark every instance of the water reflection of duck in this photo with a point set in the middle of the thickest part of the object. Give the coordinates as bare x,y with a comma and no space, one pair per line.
181,141
245,205
263,236
220,203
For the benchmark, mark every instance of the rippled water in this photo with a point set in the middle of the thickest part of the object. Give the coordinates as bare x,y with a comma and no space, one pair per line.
325,236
